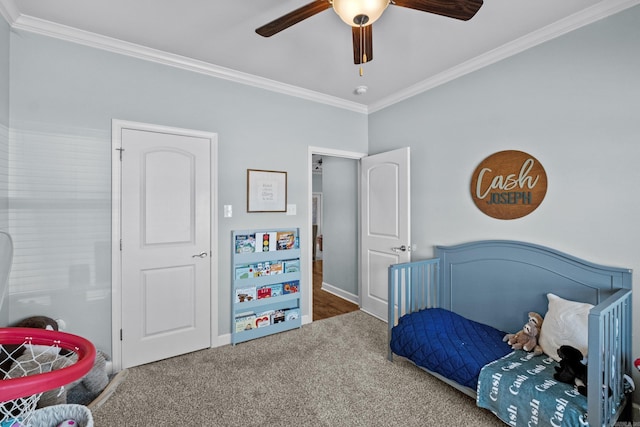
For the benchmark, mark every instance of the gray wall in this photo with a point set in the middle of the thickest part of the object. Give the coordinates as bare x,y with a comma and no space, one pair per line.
574,104
316,183
340,225
64,97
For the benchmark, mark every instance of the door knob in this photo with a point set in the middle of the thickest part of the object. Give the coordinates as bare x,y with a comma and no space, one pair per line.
200,255
402,248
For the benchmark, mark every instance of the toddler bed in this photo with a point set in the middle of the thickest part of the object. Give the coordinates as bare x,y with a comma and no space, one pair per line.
449,314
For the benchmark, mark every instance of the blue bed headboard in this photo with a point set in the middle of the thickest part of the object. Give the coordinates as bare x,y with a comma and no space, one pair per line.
514,278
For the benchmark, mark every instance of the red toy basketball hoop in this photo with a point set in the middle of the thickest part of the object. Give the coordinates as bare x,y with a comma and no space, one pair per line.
19,396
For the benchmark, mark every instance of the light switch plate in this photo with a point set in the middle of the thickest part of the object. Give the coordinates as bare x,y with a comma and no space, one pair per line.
228,211
291,209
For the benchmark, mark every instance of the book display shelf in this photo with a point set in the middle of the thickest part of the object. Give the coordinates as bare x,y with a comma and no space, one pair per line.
265,283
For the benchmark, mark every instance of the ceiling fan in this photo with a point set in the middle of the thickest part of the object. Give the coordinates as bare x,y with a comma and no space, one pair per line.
361,14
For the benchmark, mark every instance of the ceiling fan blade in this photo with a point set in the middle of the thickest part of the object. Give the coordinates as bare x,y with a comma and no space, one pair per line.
458,9
292,18
362,44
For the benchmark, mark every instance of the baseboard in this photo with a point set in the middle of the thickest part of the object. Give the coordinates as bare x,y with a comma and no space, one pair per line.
108,390
224,339
636,412
340,293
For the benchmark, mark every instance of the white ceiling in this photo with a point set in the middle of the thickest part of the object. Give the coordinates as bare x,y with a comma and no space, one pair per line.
413,51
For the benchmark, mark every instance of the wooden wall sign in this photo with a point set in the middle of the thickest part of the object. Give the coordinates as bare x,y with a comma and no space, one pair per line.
508,184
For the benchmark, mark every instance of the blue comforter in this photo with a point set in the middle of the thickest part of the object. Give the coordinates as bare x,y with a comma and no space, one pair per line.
446,343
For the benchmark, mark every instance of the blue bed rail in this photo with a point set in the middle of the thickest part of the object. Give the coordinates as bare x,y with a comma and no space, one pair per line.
412,287
610,327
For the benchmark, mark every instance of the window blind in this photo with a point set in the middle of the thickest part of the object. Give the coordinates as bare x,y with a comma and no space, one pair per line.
59,200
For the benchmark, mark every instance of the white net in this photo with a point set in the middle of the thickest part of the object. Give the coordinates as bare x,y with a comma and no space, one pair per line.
18,361
17,412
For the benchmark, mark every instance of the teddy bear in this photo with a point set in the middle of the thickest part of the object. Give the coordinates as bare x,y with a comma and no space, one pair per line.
244,297
571,369
527,338
535,318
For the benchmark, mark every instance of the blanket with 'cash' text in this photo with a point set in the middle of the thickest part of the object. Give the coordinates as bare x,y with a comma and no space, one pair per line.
520,389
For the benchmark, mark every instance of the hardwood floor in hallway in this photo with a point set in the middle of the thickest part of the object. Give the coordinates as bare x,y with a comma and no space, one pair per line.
325,304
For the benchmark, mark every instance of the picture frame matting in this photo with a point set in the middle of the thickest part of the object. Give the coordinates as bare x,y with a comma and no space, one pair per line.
266,191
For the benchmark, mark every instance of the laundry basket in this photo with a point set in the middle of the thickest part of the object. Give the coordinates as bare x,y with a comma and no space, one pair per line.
51,416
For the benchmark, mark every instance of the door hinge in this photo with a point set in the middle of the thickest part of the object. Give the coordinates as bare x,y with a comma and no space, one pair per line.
120,334
120,150
120,245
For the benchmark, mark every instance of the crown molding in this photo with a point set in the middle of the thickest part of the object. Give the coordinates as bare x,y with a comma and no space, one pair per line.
605,8
592,14
74,35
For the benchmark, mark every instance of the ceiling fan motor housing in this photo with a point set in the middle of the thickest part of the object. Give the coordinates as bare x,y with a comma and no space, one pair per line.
360,20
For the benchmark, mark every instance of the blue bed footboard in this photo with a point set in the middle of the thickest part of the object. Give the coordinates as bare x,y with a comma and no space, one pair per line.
413,286
480,280
609,326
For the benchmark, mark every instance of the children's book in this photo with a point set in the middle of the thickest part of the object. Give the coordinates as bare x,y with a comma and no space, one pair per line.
258,269
292,266
266,242
244,272
292,314
276,267
286,240
263,269
266,269
276,289
245,243
264,292
263,319
277,316
245,322
245,294
290,287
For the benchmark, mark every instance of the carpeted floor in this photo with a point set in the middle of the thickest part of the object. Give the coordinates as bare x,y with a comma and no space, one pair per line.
332,372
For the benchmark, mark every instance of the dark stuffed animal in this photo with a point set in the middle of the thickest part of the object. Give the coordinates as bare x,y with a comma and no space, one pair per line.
8,353
38,322
572,370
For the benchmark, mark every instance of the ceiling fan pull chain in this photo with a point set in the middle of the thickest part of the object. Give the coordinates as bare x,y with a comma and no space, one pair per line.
362,51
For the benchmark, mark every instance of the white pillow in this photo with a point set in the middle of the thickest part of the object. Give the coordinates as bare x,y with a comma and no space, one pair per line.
566,323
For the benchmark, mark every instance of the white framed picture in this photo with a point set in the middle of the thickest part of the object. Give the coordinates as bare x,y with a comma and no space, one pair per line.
266,191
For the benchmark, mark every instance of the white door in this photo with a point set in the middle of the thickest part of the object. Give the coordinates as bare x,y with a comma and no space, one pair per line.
385,224
166,245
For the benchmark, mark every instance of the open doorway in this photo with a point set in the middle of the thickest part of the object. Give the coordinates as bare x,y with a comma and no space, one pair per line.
334,231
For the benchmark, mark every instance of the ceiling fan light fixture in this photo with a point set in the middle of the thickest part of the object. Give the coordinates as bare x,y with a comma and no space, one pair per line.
359,12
